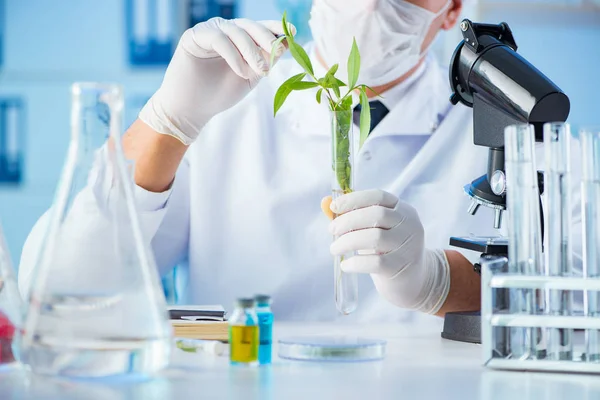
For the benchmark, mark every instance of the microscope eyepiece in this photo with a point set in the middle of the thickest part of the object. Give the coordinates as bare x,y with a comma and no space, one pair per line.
501,86
504,89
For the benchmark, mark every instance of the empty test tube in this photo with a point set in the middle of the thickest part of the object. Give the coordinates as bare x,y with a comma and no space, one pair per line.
590,198
525,242
557,137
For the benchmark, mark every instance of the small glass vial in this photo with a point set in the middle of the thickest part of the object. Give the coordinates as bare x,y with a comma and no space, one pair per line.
244,333
265,323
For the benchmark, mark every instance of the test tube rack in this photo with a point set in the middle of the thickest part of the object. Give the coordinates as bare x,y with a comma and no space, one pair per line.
496,320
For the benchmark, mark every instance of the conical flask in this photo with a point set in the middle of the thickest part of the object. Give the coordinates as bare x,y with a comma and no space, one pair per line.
95,306
10,308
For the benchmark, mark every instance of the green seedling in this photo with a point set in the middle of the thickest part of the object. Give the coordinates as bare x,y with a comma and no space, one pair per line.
332,88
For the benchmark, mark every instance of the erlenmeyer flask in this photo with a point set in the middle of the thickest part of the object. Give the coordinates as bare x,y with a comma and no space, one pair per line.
96,308
10,308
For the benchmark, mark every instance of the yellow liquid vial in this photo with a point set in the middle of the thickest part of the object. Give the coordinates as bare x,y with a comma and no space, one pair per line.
243,344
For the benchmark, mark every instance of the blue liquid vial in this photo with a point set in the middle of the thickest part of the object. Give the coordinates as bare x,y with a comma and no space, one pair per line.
265,324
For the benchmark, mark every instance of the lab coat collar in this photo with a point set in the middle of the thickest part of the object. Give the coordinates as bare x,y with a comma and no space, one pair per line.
417,105
393,96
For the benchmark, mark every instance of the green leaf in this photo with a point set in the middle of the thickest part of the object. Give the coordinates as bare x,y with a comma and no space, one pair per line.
346,103
295,78
284,91
339,83
301,57
353,65
286,27
302,85
333,70
336,90
372,90
282,94
319,94
365,117
276,44
331,81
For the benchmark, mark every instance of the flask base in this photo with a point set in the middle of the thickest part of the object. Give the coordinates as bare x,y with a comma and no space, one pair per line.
127,359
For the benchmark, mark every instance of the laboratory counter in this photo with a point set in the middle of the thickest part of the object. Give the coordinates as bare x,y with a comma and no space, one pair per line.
419,364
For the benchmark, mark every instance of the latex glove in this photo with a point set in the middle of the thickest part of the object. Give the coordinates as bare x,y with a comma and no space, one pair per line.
388,239
216,64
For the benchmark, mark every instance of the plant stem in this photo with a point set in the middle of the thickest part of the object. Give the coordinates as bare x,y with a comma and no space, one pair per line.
343,97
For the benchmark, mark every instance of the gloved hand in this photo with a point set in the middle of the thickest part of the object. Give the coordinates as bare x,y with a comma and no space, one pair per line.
216,64
388,239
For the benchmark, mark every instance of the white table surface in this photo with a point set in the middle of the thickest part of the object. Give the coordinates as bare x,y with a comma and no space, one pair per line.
419,364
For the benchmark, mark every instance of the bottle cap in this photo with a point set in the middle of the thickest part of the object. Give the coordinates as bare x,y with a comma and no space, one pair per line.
262,299
245,302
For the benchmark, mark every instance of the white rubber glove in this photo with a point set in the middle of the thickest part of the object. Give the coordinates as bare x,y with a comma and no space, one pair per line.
216,64
388,238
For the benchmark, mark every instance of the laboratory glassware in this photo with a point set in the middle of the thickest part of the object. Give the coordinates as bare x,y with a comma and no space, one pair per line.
345,284
524,231
334,348
590,197
11,308
95,308
557,183
244,333
265,324
498,320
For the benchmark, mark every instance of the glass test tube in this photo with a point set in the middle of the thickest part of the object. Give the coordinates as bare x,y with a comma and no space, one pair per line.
557,137
590,198
345,285
525,242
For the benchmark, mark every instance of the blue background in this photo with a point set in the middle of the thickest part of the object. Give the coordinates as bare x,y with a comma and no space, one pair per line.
50,44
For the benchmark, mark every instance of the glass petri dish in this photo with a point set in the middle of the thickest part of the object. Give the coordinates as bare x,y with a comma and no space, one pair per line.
331,348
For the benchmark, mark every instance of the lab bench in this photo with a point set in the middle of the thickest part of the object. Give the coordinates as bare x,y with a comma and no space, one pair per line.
419,364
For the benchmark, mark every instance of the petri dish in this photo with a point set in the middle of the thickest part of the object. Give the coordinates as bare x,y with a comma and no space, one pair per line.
331,348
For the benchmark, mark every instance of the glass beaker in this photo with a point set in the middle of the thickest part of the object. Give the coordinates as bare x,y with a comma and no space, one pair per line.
590,198
96,308
345,285
524,234
557,182
11,308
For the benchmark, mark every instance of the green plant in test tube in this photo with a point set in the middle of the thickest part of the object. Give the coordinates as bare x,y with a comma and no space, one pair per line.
339,97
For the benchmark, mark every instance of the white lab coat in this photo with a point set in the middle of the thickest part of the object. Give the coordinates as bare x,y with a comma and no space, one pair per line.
244,217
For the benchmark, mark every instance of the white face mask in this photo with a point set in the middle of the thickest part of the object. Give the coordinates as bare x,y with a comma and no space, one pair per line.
389,35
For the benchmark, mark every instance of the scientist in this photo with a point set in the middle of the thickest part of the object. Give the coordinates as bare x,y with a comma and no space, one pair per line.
232,193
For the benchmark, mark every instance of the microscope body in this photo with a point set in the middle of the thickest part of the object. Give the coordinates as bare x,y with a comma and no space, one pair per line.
504,89
488,75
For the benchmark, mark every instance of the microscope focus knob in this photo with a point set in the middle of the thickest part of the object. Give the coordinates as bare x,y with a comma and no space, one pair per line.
498,182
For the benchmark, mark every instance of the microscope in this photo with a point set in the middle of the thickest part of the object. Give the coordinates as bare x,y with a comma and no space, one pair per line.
503,89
